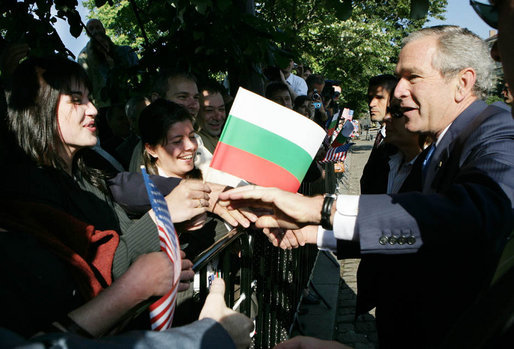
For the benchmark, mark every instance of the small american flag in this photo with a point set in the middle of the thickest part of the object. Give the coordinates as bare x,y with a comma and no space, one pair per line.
162,311
336,154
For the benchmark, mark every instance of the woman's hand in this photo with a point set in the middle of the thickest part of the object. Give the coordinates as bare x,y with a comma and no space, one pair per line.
188,200
234,217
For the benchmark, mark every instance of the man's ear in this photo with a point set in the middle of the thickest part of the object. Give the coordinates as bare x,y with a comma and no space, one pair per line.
151,150
466,79
154,96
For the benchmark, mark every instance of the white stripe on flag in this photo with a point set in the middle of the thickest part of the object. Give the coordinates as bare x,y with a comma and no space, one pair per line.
277,119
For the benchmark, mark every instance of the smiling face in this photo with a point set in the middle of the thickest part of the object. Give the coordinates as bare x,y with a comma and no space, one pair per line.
427,98
184,92
213,113
176,156
76,120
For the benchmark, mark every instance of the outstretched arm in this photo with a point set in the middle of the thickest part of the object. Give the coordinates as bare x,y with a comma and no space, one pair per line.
282,209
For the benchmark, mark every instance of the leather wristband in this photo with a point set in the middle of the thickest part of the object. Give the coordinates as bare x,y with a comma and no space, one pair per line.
326,211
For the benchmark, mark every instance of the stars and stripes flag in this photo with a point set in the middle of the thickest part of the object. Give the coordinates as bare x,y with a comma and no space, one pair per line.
336,154
162,311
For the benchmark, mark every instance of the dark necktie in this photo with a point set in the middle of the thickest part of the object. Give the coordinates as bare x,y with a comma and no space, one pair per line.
378,139
426,162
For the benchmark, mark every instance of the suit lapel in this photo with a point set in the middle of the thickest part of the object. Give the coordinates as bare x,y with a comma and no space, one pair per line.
442,151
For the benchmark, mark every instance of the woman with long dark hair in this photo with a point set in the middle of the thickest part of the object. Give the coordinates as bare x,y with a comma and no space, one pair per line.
53,122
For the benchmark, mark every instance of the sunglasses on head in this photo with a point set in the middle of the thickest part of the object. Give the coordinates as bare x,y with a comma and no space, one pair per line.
488,12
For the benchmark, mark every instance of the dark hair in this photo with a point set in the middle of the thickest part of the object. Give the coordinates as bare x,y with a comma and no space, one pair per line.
314,79
37,85
274,87
387,81
161,84
154,123
299,101
213,87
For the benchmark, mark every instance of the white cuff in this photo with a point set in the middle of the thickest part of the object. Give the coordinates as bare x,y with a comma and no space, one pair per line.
345,217
326,240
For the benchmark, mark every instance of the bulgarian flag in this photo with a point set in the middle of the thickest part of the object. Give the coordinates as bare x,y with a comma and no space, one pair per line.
265,143
333,124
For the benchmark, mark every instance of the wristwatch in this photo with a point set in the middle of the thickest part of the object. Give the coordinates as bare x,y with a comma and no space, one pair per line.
326,210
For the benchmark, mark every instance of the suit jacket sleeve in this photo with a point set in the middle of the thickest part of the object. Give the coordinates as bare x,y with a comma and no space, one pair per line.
474,210
129,191
205,333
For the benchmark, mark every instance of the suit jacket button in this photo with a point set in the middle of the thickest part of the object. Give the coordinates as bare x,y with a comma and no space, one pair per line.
401,240
411,240
392,240
382,240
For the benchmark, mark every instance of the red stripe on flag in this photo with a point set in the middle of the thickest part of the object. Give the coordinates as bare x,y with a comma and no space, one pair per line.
253,168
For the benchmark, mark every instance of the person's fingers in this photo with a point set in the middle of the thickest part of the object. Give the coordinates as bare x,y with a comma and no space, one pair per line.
224,214
183,286
239,192
217,287
251,216
186,276
197,185
182,254
268,221
291,237
237,216
299,237
186,263
198,195
271,237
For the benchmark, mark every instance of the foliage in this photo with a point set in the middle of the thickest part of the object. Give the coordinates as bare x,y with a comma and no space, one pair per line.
203,36
350,51
343,39
31,21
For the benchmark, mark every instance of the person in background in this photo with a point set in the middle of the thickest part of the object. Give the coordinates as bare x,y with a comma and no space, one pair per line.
374,174
303,105
298,85
507,95
212,115
278,92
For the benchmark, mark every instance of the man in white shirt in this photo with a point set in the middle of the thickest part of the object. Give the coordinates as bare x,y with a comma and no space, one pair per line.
298,84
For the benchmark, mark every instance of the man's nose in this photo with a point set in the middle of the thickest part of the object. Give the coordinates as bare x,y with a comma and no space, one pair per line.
401,90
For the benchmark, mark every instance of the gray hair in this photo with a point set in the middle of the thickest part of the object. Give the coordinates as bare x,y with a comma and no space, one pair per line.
459,48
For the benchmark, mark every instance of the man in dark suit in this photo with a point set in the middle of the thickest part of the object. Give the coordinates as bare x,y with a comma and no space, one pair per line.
374,175
458,224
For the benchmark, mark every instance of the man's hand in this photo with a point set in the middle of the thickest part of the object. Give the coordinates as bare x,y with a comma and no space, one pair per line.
150,275
290,239
233,217
285,209
187,274
189,199
236,324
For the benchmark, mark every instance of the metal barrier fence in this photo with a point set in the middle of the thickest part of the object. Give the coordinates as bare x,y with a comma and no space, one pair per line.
262,281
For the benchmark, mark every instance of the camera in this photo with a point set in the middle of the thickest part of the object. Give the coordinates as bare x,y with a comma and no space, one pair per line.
315,95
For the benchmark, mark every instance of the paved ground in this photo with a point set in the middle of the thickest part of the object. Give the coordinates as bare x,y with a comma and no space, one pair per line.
360,334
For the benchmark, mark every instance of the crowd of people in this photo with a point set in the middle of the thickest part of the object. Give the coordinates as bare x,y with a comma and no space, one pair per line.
80,248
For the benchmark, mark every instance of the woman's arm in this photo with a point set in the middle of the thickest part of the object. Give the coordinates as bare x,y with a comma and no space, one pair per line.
150,275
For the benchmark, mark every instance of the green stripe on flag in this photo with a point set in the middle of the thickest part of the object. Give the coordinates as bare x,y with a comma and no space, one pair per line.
267,145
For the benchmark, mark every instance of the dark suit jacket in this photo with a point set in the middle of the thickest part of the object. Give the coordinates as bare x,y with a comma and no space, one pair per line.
457,227
376,170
